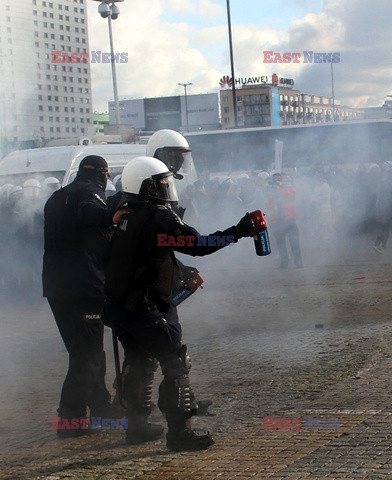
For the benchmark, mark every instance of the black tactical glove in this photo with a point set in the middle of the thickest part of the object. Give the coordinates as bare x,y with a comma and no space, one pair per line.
246,227
169,221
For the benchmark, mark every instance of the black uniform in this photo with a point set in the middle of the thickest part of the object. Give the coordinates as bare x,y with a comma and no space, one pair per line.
77,227
139,285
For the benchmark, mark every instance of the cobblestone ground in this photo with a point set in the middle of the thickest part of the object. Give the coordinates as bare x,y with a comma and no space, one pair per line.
314,342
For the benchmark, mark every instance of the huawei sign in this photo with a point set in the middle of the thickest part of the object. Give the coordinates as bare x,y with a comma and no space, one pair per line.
226,81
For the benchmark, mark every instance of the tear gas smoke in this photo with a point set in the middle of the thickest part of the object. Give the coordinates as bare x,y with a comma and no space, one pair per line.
339,213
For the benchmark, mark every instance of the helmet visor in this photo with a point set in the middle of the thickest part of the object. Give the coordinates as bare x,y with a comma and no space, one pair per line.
160,187
173,157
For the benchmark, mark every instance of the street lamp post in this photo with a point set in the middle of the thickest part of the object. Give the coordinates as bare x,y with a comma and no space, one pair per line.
108,9
232,64
186,103
333,93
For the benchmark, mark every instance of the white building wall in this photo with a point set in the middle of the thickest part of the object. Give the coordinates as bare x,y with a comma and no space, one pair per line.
203,111
131,113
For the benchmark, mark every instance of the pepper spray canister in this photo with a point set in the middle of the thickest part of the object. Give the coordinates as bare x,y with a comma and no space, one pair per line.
261,238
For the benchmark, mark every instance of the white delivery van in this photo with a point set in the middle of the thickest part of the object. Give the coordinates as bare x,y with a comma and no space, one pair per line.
63,162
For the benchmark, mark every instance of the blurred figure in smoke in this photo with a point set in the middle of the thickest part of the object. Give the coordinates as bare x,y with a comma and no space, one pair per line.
320,202
27,220
76,234
280,203
260,183
363,192
8,278
384,208
246,189
230,197
139,287
49,186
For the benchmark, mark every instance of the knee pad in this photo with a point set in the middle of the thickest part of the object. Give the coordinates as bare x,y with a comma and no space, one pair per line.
178,364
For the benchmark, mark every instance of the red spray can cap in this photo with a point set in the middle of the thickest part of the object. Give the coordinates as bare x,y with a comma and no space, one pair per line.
258,219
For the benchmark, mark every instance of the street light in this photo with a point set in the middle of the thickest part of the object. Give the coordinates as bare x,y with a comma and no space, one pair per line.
333,93
186,103
232,64
108,9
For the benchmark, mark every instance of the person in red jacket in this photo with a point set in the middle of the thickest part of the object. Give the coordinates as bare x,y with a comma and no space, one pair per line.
280,203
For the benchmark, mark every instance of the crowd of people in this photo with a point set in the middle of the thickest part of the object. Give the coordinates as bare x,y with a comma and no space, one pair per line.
309,210
322,207
21,237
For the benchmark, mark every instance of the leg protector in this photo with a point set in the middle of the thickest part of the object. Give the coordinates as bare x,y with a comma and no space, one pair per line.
177,402
137,378
175,392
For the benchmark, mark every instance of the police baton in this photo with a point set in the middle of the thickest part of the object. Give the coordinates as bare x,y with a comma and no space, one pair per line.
119,390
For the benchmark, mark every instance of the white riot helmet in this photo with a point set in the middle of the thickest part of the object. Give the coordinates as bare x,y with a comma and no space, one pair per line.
5,191
31,188
172,149
263,175
15,194
150,179
51,184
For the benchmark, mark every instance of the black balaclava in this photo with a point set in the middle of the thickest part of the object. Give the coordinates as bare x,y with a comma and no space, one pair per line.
93,167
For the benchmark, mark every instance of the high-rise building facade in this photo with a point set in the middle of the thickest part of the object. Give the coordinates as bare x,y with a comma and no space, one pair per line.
44,95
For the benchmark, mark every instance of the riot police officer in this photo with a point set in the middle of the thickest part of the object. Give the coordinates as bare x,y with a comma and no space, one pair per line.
76,240
139,288
173,150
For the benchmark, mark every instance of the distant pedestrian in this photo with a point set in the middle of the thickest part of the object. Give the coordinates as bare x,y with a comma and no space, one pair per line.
280,207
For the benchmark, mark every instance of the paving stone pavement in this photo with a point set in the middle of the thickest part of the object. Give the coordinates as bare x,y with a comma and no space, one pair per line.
303,344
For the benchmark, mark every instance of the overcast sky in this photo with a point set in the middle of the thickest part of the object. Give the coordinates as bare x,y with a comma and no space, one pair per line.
172,41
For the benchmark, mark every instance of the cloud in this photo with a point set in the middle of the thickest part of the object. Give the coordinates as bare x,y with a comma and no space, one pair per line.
174,41
202,8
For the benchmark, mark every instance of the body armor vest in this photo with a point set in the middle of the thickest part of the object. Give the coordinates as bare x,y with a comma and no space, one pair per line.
140,273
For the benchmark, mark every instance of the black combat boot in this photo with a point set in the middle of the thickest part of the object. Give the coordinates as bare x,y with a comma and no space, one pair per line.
181,438
140,430
72,426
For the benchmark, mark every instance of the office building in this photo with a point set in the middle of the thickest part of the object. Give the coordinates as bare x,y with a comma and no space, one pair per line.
44,95
263,102
198,112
